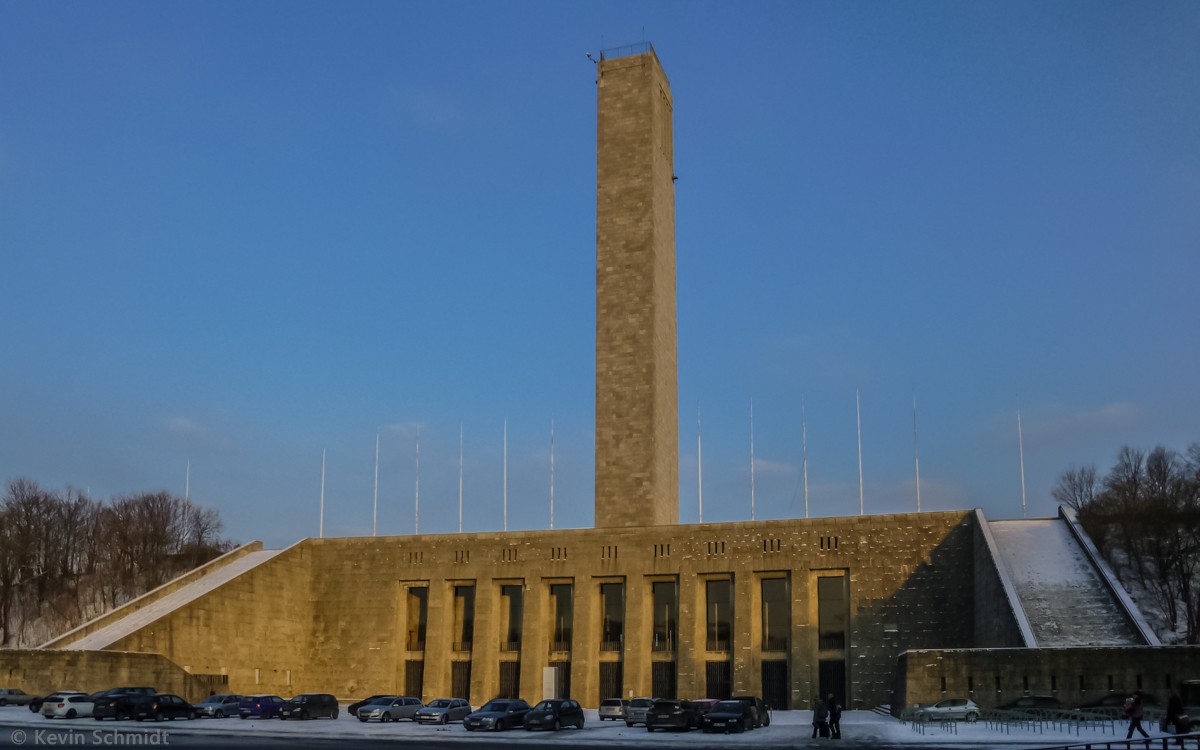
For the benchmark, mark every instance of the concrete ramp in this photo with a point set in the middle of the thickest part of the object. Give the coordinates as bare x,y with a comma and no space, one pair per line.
1065,597
134,621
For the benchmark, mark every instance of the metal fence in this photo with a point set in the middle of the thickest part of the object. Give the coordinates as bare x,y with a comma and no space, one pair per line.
629,49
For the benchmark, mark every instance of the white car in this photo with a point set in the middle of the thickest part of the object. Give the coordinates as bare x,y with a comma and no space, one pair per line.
951,709
68,706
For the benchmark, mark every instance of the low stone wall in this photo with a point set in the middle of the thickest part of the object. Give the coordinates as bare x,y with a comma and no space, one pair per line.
43,671
992,677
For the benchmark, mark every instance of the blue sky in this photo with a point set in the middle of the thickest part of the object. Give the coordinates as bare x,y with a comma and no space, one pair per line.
237,234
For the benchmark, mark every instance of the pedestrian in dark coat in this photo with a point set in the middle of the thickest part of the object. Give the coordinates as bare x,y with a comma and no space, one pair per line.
1134,711
820,718
835,717
1176,719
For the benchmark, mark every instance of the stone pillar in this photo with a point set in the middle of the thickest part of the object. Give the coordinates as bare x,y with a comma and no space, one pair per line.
585,643
743,639
637,636
439,621
535,639
691,637
485,649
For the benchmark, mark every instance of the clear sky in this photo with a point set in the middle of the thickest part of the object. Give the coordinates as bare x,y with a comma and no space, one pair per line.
237,234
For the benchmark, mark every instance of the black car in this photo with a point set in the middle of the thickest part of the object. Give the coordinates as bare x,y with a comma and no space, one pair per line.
729,716
163,706
762,715
497,715
1030,702
554,715
1117,700
667,714
310,706
118,704
352,709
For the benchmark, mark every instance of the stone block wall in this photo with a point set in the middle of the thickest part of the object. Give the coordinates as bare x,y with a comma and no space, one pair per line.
43,671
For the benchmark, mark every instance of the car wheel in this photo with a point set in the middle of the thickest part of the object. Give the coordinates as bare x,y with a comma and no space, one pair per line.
628,723
972,718
3,703
159,717
469,729
767,723
120,716
555,726
748,724
649,729
444,719
241,716
71,714
335,713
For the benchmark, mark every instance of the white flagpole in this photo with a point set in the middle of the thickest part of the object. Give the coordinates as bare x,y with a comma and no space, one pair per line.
858,413
321,527
804,442
460,475
916,453
187,481
506,473
417,500
552,472
375,512
699,465
1021,445
751,458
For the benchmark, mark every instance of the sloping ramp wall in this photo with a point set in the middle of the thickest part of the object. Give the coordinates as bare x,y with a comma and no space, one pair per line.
1000,622
1063,594
152,596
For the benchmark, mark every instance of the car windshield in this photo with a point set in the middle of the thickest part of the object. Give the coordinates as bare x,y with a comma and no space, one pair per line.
440,703
300,699
610,702
497,706
380,700
547,705
666,704
727,707
641,703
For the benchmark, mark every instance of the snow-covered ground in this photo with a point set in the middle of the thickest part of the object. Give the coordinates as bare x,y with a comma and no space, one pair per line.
788,728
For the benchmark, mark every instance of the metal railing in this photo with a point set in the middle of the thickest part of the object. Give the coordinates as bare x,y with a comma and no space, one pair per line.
510,646
415,645
560,646
775,644
1042,719
1191,740
832,642
462,645
610,645
626,50
717,646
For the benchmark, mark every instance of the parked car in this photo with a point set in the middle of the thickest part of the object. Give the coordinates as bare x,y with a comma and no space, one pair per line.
613,708
352,709
666,714
554,715
1117,700
391,708
704,705
635,712
758,709
67,705
729,716
497,715
219,706
260,706
956,709
163,707
35,705
443,711
310,706
14,697
1031,701
119,703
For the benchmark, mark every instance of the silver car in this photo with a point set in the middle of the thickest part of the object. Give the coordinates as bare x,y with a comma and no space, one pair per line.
218,706
636,712
391,708
613,708
951,709
443,711
14,697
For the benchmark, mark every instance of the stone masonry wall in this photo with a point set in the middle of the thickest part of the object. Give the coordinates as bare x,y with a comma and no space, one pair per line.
42,671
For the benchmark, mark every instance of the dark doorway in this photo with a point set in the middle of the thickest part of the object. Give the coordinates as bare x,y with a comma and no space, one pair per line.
664,680
562,679
775,684
612,679
460,680
717,680
833,679
414,677
510,679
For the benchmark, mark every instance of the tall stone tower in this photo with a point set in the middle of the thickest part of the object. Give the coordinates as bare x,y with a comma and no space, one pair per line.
637,385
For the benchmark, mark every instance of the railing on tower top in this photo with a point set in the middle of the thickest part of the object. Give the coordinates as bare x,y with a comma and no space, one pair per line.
629,49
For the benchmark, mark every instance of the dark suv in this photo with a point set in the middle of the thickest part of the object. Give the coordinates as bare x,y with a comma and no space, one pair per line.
119,703
310,706
163,706
1031,701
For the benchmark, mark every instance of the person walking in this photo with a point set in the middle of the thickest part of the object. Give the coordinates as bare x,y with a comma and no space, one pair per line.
820,718
1135,711
1176,719
835,717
